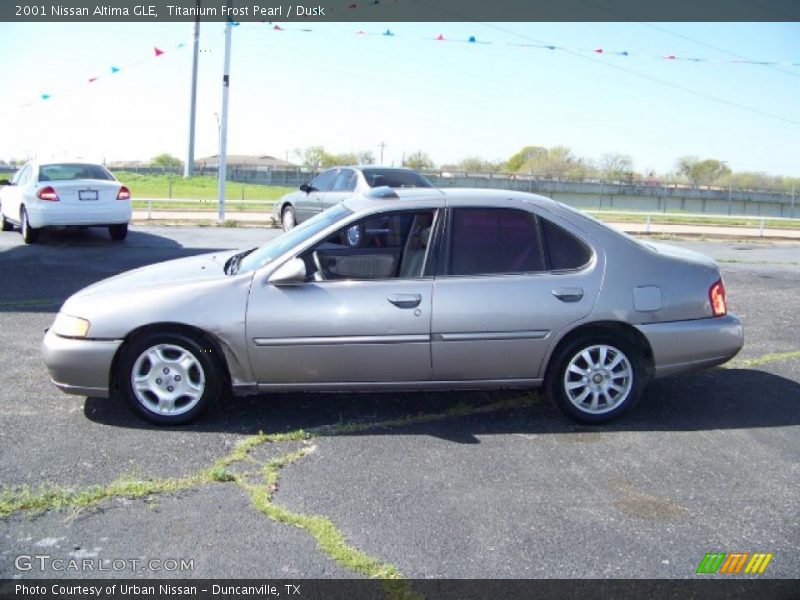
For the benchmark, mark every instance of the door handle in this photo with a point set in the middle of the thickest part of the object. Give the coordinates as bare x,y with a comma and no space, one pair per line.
405,300
568,294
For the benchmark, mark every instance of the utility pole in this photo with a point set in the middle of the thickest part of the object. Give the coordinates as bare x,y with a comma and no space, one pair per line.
793,183
382,145
223,131
188,168
730,193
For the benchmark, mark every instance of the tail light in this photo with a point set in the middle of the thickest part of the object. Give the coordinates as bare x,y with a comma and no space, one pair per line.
47,193
716,294
123,193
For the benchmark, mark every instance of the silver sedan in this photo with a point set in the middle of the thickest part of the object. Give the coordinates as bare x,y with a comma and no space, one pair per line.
403,289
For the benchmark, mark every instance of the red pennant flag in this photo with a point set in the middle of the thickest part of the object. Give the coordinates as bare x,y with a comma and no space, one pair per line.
670,57
598,50
352,6
158,52
361,32
92,79
277,28
440,37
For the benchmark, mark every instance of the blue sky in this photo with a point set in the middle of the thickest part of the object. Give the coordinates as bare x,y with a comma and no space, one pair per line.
349,92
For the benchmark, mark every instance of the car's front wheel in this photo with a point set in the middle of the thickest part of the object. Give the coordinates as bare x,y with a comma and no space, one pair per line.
596,378
288,219
118,232
30,235
5,223
169,378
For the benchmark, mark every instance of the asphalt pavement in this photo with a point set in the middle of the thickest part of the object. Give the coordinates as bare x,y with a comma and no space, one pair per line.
456,484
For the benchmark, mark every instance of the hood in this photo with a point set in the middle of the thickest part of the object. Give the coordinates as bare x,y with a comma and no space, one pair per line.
682,254
175,272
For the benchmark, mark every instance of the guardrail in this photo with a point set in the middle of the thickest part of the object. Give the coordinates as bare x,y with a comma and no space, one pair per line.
648,218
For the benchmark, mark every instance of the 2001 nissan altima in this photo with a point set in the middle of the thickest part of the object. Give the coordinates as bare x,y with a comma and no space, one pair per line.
403,289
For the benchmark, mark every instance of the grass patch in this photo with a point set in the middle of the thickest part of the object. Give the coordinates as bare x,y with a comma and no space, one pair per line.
198,187
678,219
763,360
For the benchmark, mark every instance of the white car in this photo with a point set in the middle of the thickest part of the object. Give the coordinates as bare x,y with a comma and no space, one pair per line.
64,194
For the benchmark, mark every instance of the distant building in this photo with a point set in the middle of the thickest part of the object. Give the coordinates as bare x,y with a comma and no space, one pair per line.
245,160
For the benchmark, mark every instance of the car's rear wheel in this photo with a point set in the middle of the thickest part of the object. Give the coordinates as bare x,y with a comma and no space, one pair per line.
169,378
30,235
118,232
288,219
595,378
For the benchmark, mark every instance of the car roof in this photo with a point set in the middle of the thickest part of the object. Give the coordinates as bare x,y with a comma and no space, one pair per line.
438,197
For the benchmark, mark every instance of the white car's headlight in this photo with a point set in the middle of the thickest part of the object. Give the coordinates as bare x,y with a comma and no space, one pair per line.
69,326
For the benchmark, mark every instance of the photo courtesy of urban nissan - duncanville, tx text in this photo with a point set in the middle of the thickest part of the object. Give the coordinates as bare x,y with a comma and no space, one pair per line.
403,289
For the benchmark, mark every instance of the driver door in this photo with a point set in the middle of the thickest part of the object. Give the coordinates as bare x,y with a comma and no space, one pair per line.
361,317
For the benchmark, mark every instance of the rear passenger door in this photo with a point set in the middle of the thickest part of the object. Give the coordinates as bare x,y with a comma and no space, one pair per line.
499,297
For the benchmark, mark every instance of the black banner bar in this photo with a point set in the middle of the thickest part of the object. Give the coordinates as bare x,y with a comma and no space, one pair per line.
416,589
154,11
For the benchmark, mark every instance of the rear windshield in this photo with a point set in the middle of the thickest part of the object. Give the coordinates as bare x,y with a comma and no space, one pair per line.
70,171
395,178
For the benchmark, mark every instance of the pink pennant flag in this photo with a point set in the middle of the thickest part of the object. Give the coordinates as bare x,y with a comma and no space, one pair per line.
92,79
670,57
361,32
440,37
277,28
598,50
158,51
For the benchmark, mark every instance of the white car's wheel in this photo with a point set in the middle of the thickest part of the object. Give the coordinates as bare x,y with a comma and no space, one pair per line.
169,378
118,232
5,223
596,378
30,235
288,219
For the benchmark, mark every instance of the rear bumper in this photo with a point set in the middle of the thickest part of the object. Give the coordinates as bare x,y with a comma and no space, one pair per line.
80,367
682,346
46,214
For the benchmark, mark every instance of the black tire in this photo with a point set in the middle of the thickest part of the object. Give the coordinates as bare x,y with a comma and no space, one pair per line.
208,369
610,402
5,224
29,234
118,232
288,218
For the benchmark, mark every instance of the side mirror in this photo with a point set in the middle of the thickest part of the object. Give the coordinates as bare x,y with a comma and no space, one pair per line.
290,273
5,182
305,188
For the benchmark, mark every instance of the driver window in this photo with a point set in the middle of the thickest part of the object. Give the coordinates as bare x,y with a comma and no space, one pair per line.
323,181
385,246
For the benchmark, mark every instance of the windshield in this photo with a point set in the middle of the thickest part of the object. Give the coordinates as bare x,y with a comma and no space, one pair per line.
72,171
395,178
283,243
618,232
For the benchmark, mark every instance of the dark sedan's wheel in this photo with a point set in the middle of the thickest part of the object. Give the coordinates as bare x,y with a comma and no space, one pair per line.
596,378
29,234
118,232
288,220
169,378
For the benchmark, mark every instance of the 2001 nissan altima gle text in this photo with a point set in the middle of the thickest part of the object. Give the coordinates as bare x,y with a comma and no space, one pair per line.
403,289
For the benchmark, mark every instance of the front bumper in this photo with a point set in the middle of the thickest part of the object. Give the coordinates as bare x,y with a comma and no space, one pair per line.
682,346
80,367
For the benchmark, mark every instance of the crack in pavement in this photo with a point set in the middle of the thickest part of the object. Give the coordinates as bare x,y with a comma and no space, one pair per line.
329,538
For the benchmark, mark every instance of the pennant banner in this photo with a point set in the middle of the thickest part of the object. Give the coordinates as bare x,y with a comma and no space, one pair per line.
472,39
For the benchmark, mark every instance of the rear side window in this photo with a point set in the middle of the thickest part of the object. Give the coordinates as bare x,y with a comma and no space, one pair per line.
71,171
565,251
485,241
345,181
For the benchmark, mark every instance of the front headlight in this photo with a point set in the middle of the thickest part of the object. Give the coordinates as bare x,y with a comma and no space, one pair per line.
69,326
